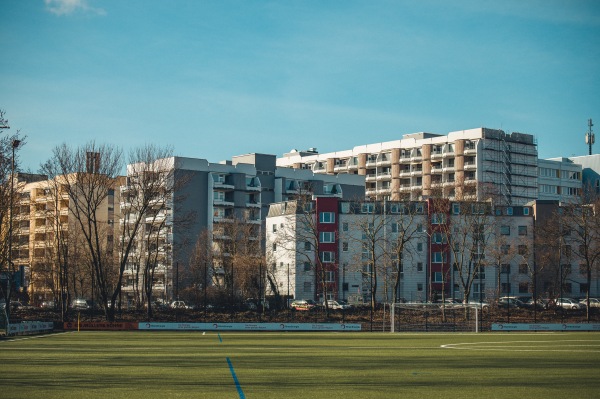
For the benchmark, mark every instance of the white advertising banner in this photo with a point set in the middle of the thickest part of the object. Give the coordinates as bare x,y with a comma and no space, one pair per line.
29,327
250,326
545,327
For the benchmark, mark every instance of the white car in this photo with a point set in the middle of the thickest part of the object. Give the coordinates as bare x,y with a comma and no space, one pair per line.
179,305
569,304
594,302
331,304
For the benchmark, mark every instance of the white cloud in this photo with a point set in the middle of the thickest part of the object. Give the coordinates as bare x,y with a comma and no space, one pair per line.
67,7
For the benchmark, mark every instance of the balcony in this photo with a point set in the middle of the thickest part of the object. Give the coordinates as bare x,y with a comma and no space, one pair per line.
371,177
416,158
384,176
447,169
470,165
449,154
405,188
340,167
416,172
223,185
384,160
469,150
436,155
405,159
253,204
253,188
448,183
437,170
222,202
371,191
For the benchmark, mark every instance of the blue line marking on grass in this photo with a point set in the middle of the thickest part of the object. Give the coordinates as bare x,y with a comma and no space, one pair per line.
237,383
220,340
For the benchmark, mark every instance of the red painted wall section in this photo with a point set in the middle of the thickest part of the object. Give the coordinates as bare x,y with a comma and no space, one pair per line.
443,267
329,204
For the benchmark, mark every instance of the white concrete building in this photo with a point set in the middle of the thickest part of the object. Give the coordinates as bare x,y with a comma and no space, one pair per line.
468,164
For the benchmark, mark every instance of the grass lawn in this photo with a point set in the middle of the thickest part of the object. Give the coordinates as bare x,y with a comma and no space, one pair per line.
301,365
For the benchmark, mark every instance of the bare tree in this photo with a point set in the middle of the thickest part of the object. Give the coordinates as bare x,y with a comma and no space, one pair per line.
583,222
370,235
148,197
9,161
89,176
299,238
408,226
469,235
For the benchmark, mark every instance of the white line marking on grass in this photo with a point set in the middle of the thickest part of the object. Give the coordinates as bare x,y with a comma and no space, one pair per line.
542,346
35,336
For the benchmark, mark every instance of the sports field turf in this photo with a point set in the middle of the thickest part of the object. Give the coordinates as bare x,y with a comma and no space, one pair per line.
300,365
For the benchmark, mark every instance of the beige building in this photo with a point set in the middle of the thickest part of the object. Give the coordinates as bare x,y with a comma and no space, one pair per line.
42,217
467,164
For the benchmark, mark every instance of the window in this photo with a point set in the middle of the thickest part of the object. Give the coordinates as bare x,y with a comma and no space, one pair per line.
505,249
438,277
274,247
419,228
327,217
526,211
345,226
394,227
274,228
327,257
438,218
367,268
420,247
523,288
456,209
420,266
326,237
522,230
523,269
566,269
307,266
329,276
505,288
307,246
509,211
505,269
439,257
478,288
345,246
439,238
505,230
420,287
307,286
522,250
367,208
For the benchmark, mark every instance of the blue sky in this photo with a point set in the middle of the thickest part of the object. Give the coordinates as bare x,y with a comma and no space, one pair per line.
221,78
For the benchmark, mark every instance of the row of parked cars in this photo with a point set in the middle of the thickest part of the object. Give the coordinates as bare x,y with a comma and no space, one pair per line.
510,302
309,304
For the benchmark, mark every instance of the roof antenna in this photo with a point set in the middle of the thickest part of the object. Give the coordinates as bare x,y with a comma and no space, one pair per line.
589,136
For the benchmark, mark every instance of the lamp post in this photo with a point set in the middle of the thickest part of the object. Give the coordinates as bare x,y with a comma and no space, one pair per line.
15,145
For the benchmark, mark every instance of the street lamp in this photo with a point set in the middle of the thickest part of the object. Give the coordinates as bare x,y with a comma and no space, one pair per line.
15,145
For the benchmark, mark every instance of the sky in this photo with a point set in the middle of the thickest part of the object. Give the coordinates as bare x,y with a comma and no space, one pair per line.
215,79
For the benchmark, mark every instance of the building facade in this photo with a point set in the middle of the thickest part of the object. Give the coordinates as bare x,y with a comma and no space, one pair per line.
468,164
439,248
211,198
560,179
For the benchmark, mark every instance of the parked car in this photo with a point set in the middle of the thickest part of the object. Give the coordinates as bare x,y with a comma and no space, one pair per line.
179,305
479,305
509,302
594,302
450,303
569,304
540,303
255,304
80,304
337,305
303,304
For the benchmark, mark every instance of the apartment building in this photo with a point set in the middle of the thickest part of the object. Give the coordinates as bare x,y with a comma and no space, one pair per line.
590,165
211,197
42,213
559,179
470,164
356,246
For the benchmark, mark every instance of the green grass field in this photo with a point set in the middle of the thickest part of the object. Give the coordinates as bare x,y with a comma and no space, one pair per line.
300,365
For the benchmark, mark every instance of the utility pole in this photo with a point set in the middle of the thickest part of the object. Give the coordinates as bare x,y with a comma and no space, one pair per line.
589,136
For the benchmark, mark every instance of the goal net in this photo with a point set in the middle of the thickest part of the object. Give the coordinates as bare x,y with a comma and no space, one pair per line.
434,317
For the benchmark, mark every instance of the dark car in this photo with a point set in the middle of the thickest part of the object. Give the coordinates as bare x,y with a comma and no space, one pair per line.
509,302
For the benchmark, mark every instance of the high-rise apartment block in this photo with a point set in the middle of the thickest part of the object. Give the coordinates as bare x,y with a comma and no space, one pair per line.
468,164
